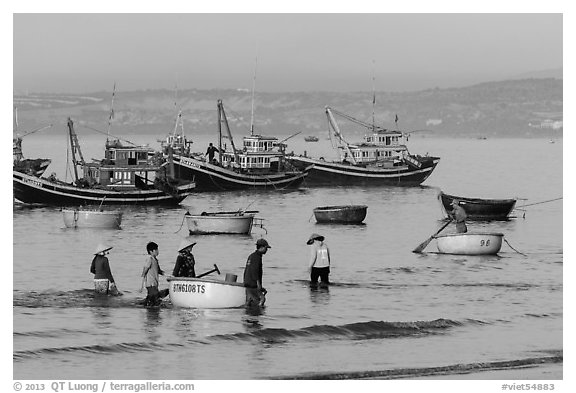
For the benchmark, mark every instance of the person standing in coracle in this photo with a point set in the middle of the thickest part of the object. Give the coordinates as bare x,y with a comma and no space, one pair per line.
319,265
150,276
185,262
255,292
460,216
103,280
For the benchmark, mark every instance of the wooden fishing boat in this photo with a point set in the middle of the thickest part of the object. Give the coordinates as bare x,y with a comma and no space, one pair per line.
349,214
30,166
91,218
259,164
479,209
222,222
126,175
469,243
205,293
381,159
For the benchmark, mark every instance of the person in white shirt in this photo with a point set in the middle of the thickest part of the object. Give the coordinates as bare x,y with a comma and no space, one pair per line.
319,266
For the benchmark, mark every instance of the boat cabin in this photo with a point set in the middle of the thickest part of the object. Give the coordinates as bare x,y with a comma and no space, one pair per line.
381,146
123,166
257,155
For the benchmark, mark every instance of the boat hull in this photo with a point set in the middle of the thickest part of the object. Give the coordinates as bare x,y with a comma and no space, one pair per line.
80,218
209,177
351,214
480,209
325,173
220,224
469,243
205,293
31,189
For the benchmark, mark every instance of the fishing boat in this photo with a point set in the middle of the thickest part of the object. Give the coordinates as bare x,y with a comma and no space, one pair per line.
205,293
349,214
91,218
469,243
260,164
479,209
311,138
380,159
239,222
31,166
126,175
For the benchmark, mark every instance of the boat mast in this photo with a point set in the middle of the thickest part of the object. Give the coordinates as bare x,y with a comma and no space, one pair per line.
111,116
222,119
373,96
334,125
253,89
75,147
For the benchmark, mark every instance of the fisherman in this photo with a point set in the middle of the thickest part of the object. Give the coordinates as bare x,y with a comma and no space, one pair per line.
459,215
319,265
210,152
185,262
103,280
150,276
255,292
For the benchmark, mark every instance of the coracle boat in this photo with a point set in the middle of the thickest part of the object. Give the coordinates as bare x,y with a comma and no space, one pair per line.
260,164
381,159
222,222
479,209
349,214
205,293
469,243
91,218
126,175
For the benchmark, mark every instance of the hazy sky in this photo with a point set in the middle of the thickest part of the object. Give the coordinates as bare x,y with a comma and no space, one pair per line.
296,52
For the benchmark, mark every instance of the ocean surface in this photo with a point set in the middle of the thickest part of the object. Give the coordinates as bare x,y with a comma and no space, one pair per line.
390,313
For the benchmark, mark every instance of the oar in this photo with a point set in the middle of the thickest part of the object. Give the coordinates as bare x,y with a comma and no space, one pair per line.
425,243
211,271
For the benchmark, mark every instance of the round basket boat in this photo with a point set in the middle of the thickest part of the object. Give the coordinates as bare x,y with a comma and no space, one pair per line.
83,218
214,223
470,243
349,214
206,293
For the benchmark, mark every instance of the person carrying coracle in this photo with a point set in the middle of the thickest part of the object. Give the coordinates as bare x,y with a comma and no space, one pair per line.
185,262
103,280
255,292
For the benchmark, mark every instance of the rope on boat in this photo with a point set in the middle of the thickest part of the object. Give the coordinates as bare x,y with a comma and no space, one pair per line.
182,223
538,203
514,248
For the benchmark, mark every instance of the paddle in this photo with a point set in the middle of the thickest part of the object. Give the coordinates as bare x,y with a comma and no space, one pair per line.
211,271
425,243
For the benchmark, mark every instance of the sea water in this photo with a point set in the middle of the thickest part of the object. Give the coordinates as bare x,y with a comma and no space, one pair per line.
389,312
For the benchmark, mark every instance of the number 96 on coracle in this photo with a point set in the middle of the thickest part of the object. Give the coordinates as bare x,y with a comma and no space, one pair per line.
189,288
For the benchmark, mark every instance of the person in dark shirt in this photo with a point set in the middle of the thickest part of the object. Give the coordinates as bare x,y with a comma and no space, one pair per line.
460,216
185,262
103,280
255,292
210,152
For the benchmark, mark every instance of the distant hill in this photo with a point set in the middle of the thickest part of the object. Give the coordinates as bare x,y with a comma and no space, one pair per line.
503,108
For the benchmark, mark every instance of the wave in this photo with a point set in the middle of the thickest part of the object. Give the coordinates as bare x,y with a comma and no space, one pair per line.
79,298
353,331
467,368
95,349
48,333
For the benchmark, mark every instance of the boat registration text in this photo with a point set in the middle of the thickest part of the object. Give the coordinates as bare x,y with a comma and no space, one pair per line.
189,162
37,183
191,288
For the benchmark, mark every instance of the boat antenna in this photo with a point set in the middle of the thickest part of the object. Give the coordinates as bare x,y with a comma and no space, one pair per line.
111,116
373,94
253,89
